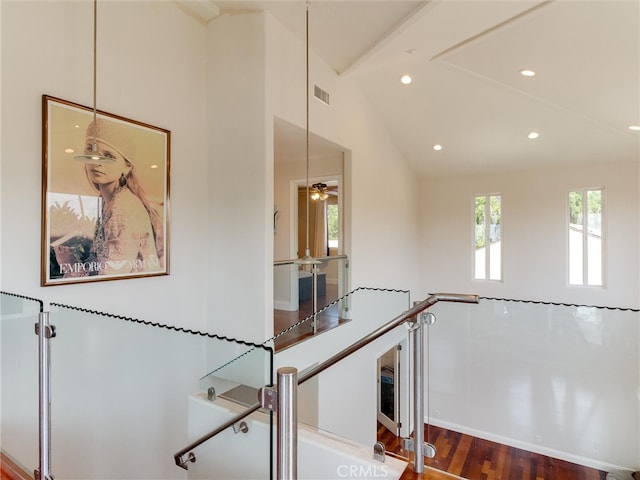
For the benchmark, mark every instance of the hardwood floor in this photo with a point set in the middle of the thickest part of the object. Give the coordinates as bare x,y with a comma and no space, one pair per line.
10,470
464,456
326,320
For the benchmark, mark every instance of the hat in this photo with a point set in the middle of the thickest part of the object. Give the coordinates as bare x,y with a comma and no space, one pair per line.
114,135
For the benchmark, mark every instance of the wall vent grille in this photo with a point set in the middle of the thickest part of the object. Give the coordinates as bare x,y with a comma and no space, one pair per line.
320,94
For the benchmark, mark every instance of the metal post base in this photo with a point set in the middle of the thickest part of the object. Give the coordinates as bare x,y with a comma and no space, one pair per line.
428,450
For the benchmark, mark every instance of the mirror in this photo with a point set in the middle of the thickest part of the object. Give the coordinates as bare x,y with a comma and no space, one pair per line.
325,216
328,231
326,168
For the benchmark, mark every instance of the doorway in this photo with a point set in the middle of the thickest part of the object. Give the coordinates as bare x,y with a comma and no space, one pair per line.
325,216
388,401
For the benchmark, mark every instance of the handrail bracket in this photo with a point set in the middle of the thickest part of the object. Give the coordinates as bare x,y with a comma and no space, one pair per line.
184,462
268,397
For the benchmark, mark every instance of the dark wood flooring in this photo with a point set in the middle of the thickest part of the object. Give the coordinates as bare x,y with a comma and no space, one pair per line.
329,318
10,470
464,456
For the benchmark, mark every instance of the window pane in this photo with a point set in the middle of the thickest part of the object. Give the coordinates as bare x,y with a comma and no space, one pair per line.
479,237
594,237
575,255
576,262
594,248
575,208
332,225
594,204
495,237
480,223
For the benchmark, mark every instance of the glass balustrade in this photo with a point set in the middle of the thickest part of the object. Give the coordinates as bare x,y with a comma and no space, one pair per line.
502,378
335,408
243,450
327,443
125,394
19,364
298,295
559,380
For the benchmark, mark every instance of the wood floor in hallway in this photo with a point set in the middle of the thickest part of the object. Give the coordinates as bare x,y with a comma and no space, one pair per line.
463,456
329,318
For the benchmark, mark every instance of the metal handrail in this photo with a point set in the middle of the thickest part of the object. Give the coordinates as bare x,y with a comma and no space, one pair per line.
387,327
180,462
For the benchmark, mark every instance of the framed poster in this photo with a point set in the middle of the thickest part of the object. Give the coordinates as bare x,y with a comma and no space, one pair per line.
104,217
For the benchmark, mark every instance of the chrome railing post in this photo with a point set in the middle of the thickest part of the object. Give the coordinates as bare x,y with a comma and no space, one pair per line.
314,297
287,466
45,331
418,394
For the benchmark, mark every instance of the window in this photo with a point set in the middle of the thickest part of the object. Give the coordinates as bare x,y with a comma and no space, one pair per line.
487,237
333,226
585,237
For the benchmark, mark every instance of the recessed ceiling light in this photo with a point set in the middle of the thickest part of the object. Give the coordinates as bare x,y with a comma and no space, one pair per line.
154,166
437,147
634,127
527,73
406,79
69,150
533,135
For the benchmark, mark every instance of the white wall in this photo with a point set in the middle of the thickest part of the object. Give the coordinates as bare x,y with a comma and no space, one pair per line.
381,194
221,234
154,74
534,246
240,181
536,377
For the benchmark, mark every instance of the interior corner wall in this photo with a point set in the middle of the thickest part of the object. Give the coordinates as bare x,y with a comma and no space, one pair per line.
534,230
381,200
381,191
240,180
151,68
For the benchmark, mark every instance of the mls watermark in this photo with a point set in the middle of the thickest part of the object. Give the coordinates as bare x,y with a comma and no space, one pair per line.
362,471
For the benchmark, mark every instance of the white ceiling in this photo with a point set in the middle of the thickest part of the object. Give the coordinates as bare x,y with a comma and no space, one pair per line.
467,93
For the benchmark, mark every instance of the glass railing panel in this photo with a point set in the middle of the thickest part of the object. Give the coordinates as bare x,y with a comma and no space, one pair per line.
292,282
293,298
19,380
236,383
551,379
337,403
356,314
244,451
125,393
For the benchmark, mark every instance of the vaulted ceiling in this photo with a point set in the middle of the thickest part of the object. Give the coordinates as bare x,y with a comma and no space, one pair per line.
467,93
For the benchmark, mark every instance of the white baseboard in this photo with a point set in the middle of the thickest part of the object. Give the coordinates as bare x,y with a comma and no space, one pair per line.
530,447
282,305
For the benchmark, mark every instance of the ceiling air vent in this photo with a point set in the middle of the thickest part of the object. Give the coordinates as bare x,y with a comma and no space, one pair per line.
321,94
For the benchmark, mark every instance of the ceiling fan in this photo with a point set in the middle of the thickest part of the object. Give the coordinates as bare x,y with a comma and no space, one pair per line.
320,191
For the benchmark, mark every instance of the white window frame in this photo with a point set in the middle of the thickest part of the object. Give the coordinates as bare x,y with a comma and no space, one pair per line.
487,233
585,237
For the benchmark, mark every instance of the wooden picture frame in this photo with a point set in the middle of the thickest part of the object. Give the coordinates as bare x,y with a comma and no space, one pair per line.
102,221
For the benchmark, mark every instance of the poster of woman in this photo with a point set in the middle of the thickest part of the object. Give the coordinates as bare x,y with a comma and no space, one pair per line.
105,202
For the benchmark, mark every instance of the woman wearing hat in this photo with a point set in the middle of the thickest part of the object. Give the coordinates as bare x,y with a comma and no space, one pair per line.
129,231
